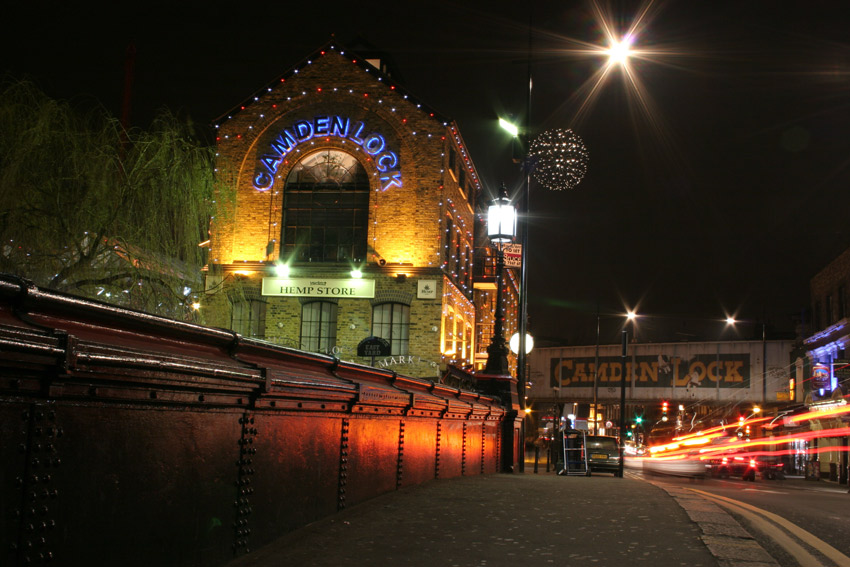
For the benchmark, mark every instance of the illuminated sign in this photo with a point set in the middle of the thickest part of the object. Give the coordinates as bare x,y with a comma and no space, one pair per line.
373,143
820,376
319,287
700,371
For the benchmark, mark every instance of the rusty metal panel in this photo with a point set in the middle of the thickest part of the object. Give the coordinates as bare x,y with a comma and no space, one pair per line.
373,458
451,448
472,449
491,440
162,476
297,466
419,457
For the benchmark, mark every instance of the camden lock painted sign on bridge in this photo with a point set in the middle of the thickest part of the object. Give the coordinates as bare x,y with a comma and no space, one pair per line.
698,371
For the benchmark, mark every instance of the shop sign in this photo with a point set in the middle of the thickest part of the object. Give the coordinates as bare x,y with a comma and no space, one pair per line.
319,287
513,255
426,289
373,143
820,376
700,371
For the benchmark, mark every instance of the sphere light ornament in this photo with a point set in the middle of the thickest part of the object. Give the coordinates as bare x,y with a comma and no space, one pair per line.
514,343
560,159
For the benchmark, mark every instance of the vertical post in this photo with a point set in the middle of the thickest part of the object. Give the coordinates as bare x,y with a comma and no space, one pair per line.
623,400
596,376
523,279
497,352
763,362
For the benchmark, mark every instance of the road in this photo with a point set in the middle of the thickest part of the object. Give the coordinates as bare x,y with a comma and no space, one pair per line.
800,523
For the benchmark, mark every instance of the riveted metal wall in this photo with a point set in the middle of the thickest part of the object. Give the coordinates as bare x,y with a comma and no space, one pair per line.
133,440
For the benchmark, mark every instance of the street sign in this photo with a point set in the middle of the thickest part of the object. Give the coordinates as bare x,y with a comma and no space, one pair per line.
373,346
513,255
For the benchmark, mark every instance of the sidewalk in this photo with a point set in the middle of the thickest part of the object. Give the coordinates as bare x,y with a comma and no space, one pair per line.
493,520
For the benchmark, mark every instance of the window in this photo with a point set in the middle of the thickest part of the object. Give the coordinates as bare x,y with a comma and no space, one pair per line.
830,314
450,232
248,317
318,326
842,302
326,209
391,321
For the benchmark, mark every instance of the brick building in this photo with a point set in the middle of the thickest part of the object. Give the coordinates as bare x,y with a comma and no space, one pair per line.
826,368
356,214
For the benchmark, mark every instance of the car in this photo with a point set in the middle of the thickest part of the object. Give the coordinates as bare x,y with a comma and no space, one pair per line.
745,466
631,448
603,454
685,466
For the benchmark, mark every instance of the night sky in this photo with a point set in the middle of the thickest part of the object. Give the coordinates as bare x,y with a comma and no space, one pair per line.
723,190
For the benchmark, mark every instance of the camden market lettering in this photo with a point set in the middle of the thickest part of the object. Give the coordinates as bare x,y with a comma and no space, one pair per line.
374,144
700,371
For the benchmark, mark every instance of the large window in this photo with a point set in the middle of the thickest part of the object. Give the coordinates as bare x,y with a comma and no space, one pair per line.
391,321
326,209
318,326
247,317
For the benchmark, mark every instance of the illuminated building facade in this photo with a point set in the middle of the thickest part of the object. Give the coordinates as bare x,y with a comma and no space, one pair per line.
354,216
828,366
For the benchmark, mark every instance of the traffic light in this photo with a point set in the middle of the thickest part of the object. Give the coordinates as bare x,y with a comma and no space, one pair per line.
664,406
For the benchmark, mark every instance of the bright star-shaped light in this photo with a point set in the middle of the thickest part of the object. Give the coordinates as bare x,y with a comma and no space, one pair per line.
619,51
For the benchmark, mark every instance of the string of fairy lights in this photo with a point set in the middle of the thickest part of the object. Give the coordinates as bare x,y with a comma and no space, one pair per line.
559,159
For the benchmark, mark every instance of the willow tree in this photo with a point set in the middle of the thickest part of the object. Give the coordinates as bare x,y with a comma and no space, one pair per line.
93,209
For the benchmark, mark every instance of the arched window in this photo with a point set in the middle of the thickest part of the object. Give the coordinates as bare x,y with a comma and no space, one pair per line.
325,209
318,326
391,321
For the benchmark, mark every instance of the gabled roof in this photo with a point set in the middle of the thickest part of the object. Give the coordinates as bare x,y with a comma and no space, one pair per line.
359,59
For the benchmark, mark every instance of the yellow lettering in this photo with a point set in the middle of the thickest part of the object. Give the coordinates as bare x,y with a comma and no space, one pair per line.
581,373
733,371
648,372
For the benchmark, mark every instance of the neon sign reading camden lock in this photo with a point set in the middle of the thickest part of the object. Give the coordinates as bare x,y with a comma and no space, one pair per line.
374,144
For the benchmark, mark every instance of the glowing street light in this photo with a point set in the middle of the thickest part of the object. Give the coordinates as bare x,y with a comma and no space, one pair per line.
501,228
630,316
510,128
619,51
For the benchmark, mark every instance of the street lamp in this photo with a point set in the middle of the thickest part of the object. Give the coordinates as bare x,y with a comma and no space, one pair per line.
630,316
501,228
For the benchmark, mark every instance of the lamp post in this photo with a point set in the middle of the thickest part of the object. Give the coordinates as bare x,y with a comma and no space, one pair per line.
630,316
501,228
